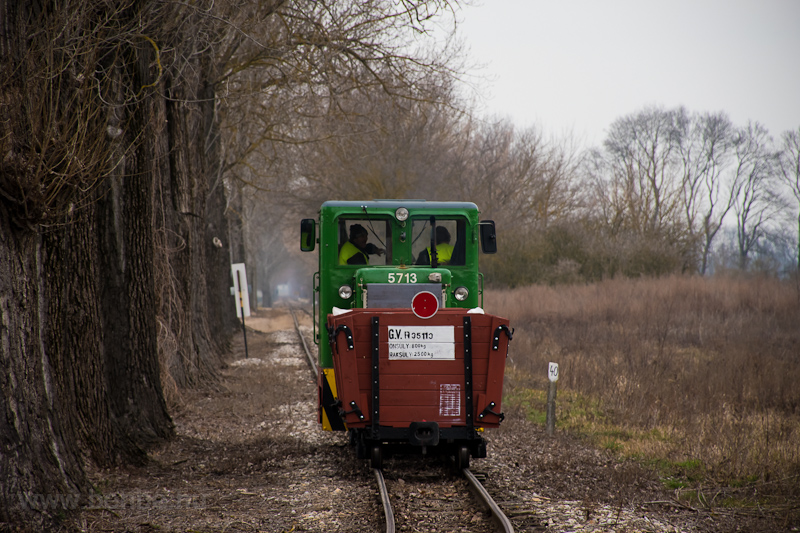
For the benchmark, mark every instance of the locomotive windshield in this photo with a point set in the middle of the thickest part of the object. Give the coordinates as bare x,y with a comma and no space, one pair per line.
365,241
449,236
380,240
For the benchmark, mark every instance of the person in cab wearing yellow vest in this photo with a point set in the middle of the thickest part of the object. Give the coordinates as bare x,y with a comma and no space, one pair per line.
356,250
444,250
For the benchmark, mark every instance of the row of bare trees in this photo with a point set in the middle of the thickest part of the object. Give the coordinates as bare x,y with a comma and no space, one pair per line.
107,273
129,132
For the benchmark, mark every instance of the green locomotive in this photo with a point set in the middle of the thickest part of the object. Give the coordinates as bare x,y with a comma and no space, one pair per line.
411,268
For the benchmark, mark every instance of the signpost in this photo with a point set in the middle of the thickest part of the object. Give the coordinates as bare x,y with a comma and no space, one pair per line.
552,375
239,290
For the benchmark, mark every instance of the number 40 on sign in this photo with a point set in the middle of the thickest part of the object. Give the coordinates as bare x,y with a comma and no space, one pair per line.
552,372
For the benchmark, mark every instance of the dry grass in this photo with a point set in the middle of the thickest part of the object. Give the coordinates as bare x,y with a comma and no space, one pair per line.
695,374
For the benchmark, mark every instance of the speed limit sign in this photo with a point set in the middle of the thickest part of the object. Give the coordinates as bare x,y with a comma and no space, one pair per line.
552,372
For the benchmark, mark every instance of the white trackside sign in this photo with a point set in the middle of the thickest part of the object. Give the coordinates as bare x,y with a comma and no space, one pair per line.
552,372
239,289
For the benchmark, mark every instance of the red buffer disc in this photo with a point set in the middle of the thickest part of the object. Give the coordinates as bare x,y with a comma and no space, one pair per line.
425,304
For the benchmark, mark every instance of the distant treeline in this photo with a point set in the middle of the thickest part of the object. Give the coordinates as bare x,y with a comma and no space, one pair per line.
668,191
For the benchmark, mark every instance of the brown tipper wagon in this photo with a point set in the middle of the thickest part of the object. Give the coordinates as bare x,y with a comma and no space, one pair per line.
424,384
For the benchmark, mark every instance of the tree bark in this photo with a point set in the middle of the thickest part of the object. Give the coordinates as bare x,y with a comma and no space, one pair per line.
37,455
129,309
74,338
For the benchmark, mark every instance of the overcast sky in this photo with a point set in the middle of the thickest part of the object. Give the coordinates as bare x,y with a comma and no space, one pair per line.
577,65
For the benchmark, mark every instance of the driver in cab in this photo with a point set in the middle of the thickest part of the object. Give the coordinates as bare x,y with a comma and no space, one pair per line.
444,250
356,250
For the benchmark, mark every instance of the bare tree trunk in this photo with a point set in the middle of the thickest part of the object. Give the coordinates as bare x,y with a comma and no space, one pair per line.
221,309
129,309
185,220
38,456
73,338
130,327
52,411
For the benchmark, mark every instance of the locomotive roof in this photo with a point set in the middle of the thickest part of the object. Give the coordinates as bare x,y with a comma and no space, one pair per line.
392,204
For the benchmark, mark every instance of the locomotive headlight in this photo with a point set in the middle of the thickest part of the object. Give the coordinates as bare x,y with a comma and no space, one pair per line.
401,214
461,293
345,292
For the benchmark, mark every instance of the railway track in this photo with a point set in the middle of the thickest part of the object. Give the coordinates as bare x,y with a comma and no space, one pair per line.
499,520
449,494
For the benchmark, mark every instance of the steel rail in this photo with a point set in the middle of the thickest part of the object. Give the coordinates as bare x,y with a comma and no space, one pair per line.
311,362
387,505
500,519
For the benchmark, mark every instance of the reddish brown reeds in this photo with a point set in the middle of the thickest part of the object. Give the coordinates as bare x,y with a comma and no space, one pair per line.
711,366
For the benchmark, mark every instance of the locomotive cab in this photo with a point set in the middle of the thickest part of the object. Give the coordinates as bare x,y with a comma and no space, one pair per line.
408,360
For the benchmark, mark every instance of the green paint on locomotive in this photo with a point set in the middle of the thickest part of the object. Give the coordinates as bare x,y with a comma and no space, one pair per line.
392,278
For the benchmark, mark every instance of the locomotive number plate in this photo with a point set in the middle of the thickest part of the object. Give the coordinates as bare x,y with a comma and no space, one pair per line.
403,278
422,342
